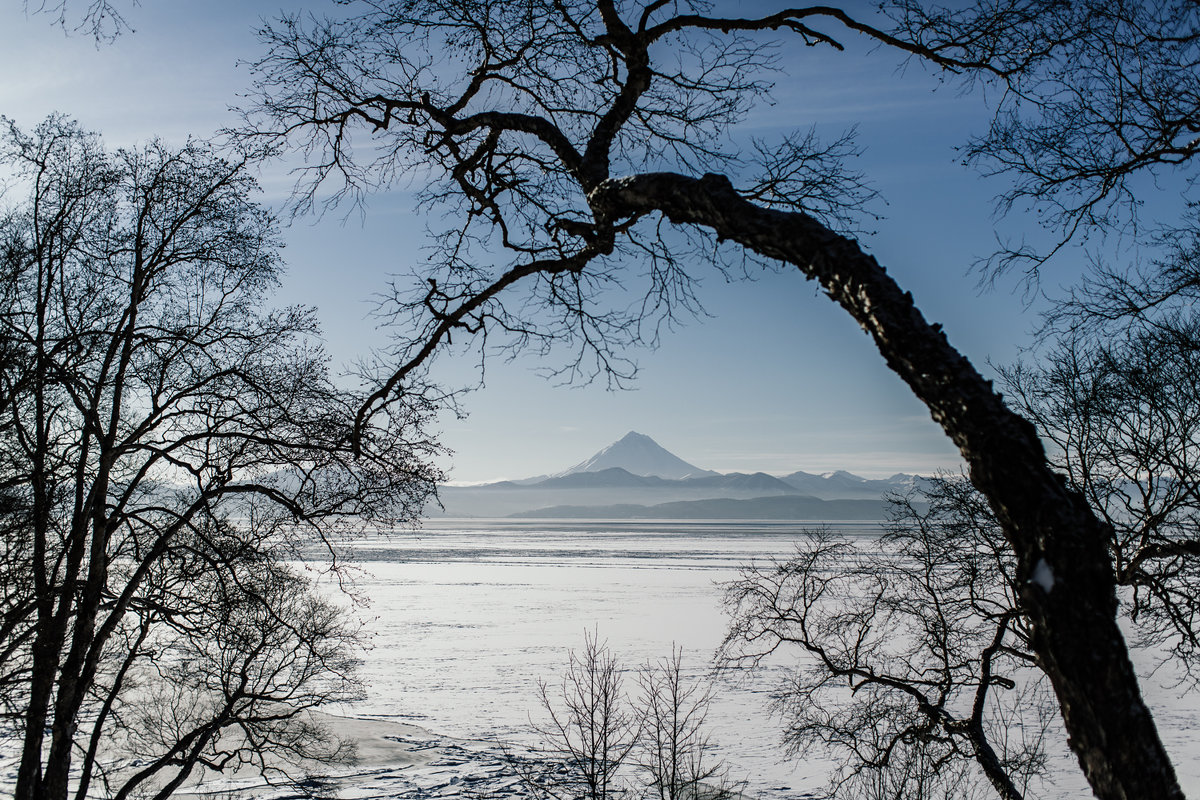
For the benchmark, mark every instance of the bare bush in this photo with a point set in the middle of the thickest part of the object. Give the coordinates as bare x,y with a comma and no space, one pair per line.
602,744
590,732
675,756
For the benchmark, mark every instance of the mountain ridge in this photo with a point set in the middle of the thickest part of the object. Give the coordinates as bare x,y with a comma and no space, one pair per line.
609,485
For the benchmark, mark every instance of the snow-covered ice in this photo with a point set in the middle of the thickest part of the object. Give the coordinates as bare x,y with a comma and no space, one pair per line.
467,621
470,615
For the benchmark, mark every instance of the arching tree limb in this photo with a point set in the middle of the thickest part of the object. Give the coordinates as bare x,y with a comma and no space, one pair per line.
1063,565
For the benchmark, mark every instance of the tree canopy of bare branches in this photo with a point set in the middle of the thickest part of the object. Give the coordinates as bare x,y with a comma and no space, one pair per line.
169,443
103,20
1113,100
914,665
583,149
1122,413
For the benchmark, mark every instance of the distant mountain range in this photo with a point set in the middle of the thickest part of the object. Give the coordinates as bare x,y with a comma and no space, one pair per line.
797,507
635,477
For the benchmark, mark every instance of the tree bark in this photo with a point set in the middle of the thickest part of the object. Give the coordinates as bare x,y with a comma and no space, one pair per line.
1067,583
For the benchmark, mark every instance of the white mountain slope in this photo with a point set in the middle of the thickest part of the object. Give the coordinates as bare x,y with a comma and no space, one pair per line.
640,455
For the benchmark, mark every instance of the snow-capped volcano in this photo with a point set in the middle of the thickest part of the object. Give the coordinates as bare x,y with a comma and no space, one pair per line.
640,455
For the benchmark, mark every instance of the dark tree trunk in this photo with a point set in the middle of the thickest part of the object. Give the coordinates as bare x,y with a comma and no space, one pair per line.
1067,583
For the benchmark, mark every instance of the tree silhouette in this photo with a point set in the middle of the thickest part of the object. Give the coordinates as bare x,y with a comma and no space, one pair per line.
169,444
599,743
914,666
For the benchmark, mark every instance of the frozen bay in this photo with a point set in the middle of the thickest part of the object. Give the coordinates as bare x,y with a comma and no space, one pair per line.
469,615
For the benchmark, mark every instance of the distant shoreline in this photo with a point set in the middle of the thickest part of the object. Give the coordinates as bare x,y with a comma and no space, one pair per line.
783,508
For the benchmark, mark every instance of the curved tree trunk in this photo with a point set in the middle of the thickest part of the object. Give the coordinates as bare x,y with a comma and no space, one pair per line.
1067,589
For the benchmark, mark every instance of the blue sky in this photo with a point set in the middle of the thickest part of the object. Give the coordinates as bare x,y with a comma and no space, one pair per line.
776,379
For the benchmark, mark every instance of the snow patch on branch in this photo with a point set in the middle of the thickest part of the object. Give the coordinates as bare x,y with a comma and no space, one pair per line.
1043,576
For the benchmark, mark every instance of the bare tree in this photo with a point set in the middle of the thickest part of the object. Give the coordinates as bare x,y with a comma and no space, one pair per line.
235,692
1122,411
1113,100
168,443
923,644
572,150
601,743
590,729
917,673
675,755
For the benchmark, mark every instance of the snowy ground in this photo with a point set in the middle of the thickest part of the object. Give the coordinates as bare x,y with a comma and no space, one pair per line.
468,621
469,616
394,761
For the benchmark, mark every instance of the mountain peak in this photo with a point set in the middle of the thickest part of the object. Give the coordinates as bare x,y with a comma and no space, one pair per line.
843,475
638,454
